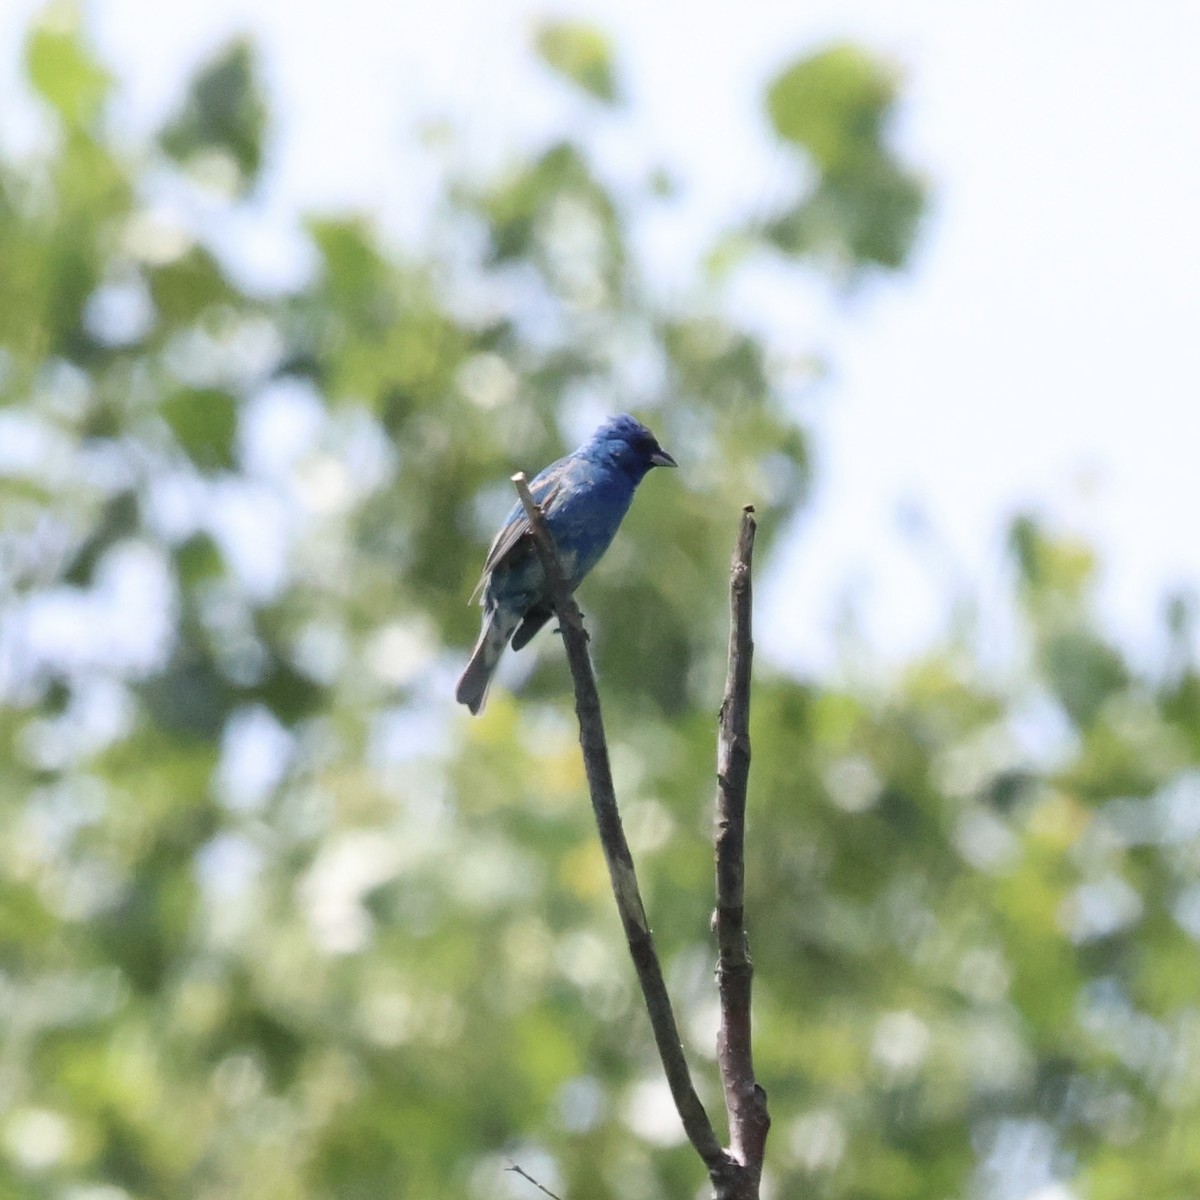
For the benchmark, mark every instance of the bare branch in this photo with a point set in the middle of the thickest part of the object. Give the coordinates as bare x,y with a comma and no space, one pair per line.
616,852
745,1101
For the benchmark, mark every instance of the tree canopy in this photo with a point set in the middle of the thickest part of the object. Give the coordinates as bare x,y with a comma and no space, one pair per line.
278,922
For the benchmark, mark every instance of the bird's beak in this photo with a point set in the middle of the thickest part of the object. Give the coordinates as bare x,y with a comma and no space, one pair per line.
660,458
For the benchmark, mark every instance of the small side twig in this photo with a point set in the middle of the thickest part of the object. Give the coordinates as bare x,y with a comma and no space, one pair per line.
621,871
745,1100
517,1170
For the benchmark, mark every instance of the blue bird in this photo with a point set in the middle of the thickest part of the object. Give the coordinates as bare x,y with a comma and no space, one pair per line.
584,497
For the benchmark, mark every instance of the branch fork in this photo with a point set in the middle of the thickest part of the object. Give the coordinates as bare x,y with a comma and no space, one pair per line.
734,1172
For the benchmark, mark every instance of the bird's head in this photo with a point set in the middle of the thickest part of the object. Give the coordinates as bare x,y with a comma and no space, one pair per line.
629,444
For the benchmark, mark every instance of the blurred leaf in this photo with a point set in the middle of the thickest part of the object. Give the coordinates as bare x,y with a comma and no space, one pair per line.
118,520
1179,613
189,697
1083,673
187,287
224,111
834,104
355,276
1025,541
290,695
61,68
1050,568
25,921
580,53
866,213
864,206
204,422
198,561
54,255
517,206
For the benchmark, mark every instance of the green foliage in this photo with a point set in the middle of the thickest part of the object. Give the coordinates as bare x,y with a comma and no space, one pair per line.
580,53
60,69
865,205
224,113
277,921
204,421
833,105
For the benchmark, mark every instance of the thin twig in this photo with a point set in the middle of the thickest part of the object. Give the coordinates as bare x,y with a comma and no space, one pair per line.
745,1101
525,1175
616,851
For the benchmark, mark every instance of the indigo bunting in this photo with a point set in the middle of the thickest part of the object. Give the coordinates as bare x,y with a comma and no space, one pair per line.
584,498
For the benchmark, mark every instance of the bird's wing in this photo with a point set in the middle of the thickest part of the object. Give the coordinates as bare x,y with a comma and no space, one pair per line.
544,489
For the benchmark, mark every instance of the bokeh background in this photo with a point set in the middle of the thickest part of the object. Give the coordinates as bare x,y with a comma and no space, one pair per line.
287,293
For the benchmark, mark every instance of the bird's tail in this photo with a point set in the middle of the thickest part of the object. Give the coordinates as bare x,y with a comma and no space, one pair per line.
476,679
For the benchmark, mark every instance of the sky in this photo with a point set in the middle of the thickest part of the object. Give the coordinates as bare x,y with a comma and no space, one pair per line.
1040,353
